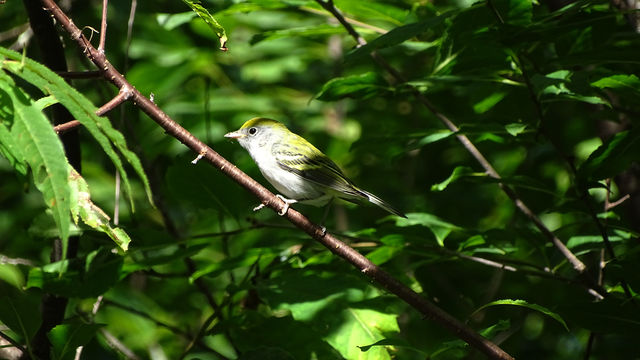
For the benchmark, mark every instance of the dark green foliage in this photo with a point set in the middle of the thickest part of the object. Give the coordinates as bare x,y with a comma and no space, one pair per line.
550,96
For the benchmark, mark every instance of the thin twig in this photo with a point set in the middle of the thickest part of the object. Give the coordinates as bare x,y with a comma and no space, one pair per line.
63,128
13,32
118,345
103,27
174,329
15,344
199,335
611,205
124,94
15,261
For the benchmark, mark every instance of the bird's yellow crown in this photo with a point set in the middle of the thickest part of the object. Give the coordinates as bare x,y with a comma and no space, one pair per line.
258,121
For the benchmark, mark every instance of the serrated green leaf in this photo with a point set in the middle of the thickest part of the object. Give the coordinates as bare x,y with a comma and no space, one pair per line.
524,303
209,20
82,109
361,86
8,145
91,215
43,152
45,102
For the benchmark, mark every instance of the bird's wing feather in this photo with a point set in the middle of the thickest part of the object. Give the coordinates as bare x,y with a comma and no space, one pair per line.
309,163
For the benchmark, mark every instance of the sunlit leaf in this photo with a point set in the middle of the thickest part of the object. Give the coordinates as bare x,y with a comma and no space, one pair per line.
357,86
526,304
204,14
43,152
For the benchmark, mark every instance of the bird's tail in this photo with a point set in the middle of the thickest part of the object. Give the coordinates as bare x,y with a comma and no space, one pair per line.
381,203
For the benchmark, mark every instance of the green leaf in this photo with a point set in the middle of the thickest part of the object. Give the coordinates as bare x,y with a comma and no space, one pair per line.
361,86
340,305
259,337
392,245
619,82
440,228
9,148
82,278
172,21
523,303
612,157
559,85
360,327
395,342
458,172
311,31
209,20
82,109
44,153
396,36
515,129
66,338
489,102
21,315
11,274
82,207
431,137
374,10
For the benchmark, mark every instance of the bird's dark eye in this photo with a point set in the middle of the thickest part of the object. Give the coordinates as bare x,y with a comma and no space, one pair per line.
253,131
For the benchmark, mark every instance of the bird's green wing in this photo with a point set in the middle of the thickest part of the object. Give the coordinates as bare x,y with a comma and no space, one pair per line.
303,159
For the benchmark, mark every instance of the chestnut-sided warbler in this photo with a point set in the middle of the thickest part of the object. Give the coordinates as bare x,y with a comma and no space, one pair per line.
299,171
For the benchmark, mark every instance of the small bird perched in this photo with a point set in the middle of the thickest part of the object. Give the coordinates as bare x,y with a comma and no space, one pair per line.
296,168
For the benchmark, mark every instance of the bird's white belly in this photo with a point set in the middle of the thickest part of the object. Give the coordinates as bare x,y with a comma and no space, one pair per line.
289,184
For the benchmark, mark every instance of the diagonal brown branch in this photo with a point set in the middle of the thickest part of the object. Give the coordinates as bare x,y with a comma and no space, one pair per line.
336,246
